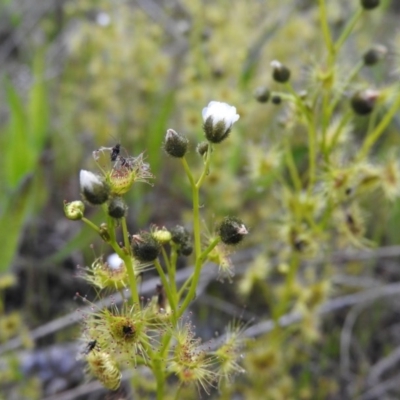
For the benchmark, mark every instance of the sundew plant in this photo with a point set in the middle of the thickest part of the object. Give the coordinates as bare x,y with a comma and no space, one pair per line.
309,187
156,334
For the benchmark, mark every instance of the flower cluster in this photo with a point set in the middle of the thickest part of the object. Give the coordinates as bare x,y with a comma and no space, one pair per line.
152,334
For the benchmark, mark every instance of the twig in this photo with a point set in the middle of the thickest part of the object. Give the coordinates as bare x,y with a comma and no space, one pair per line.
379,390
382,365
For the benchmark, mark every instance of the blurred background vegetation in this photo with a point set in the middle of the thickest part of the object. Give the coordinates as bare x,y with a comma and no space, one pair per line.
78,75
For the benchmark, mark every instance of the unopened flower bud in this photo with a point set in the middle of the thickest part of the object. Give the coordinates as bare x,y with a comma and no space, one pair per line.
232,230
280,73
104,233
175,144
94,189
74,210
114,261
218,120
163,236
202,148
370,4
117,208
145,247
375,54
186,249
262,94
183,239
363,102
276,99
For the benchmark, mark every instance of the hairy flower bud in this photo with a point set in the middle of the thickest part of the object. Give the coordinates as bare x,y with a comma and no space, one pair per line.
202,148
280,73
182,238
370,4
117,208
175,144
363,102
145,247
94,189
74,210
262,94
374,55
218,119
232,230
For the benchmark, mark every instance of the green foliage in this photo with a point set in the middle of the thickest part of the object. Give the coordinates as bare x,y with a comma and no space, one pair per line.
23,140
311,171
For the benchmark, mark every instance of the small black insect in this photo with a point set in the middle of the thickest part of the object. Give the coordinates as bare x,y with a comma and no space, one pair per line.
90,346
161,297
115,152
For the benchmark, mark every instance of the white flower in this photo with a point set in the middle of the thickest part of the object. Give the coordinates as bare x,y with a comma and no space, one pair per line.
93,188
103,19
88,180
218,120
114,261
220,112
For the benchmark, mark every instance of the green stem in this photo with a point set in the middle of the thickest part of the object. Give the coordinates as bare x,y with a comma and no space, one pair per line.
348,29
206,166
171,267
129,265
346,118
160,379
326,33
325,122
289,283
196,223
312,137
339,95
294,173
379,130
184,286
196,207
196,275
171,299
91,224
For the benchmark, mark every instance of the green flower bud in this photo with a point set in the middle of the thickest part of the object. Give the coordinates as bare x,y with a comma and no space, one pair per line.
232,230
280,73
145,247
74,210
363,102
175,145
262,94
202,148
374,55
94,190
370,4
117,208
163,236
